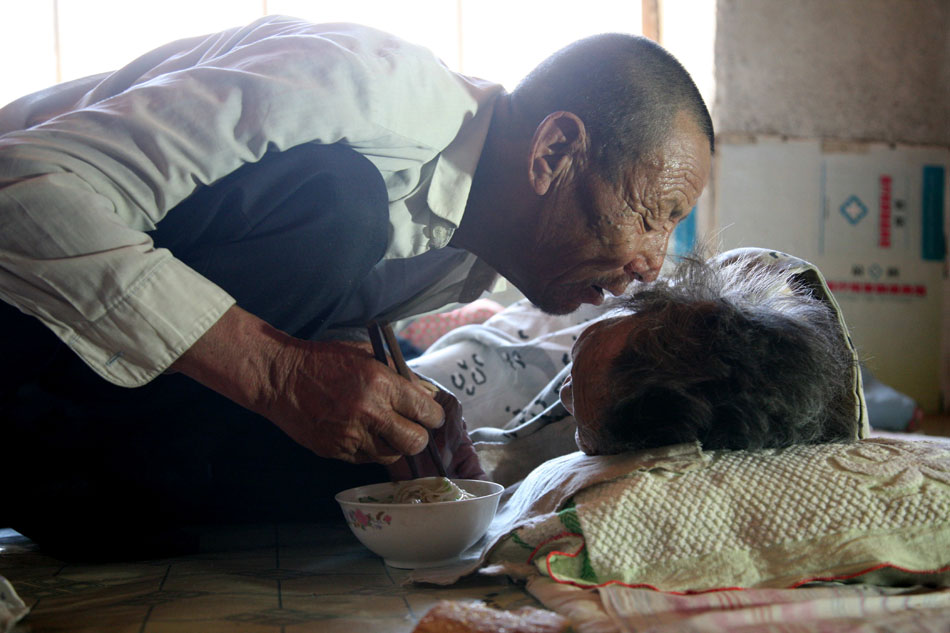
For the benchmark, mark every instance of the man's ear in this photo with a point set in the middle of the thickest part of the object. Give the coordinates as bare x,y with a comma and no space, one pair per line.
558,144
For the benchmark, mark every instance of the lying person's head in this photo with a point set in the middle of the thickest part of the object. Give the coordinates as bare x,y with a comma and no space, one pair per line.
735,355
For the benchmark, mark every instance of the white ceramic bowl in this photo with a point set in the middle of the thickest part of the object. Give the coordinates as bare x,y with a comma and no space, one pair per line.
413,535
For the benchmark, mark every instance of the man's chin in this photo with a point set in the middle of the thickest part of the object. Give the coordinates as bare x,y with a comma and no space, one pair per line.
565,304
555,308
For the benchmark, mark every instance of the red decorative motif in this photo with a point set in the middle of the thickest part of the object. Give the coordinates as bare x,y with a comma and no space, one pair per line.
857,287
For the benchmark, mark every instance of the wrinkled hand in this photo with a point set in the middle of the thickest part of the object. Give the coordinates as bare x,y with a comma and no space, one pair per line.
452,441
333,398
337,400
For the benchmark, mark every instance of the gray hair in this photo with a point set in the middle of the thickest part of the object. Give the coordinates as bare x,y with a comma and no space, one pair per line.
626,89
734,356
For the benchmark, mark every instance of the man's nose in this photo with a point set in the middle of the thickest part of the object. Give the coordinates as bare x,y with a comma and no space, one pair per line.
647,263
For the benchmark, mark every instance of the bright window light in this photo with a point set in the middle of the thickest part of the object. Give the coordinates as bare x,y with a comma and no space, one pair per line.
28,48
470,37
59,40
101,35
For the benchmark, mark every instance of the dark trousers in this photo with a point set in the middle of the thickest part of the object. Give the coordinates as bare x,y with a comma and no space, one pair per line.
96,470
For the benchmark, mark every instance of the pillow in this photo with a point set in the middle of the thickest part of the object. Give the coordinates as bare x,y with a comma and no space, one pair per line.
875,510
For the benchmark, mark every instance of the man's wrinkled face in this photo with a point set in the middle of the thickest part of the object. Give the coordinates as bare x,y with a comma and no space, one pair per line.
585,393
596,236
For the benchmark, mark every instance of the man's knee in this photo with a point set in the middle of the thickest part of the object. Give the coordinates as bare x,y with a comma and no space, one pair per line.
352,223
290,237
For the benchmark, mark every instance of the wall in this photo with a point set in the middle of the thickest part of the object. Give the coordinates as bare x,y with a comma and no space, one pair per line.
855,69
831,116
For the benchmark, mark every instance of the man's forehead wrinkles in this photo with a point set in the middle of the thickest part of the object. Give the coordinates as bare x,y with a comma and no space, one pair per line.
642,205
633,194
634,181
693,174
684,171
664,193
680,191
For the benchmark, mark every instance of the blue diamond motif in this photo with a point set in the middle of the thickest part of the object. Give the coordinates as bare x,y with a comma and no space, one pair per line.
853,209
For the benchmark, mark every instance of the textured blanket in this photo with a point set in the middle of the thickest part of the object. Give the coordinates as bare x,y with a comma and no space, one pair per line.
816,608
878,509
683,520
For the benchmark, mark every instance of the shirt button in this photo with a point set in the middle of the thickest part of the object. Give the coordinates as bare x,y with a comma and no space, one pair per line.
440,236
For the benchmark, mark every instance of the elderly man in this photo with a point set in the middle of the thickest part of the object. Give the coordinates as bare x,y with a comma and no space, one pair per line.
222,206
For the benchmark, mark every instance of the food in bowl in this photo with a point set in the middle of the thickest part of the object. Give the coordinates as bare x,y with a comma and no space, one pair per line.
426,490
411,535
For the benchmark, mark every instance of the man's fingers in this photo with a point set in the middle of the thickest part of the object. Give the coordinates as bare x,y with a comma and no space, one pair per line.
383,452
386,461
405,436
348,406
429,387
418,404
372,447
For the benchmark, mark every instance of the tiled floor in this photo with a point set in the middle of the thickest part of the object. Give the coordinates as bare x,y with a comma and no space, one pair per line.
268,579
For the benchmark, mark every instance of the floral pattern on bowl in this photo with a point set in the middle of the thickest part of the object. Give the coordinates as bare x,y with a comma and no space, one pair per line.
411,535
361,520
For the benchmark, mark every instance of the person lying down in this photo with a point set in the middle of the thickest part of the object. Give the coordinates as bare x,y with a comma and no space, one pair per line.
729,353
747,350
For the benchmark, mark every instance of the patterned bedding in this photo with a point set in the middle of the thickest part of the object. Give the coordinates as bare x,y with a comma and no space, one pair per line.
840,537
848,537
819,607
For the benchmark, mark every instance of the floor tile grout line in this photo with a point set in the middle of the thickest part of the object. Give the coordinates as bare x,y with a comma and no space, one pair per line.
145,619
388,575
412,614
161,587
405,598
168,570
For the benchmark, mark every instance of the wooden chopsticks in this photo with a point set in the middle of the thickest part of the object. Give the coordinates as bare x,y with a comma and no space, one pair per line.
377,332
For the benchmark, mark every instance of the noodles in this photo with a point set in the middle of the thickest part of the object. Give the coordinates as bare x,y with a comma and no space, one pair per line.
431,490
428,490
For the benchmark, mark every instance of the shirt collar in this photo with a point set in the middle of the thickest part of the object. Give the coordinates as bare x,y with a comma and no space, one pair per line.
455,167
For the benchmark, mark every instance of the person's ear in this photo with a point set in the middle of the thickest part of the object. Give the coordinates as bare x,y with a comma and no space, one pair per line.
557,146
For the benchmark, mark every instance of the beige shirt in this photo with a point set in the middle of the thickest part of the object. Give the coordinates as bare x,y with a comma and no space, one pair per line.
88,166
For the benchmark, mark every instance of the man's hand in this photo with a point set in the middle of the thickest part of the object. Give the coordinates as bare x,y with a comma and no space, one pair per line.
333,398
452,442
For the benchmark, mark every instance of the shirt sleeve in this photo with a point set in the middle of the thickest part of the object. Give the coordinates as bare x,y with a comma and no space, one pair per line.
82,185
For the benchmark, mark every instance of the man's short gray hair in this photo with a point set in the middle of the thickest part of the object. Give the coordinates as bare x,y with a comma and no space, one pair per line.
626,89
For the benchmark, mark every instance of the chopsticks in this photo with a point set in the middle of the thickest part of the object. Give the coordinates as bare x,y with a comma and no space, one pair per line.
377,332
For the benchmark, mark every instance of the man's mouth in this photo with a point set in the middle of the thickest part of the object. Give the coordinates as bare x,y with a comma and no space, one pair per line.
597,294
